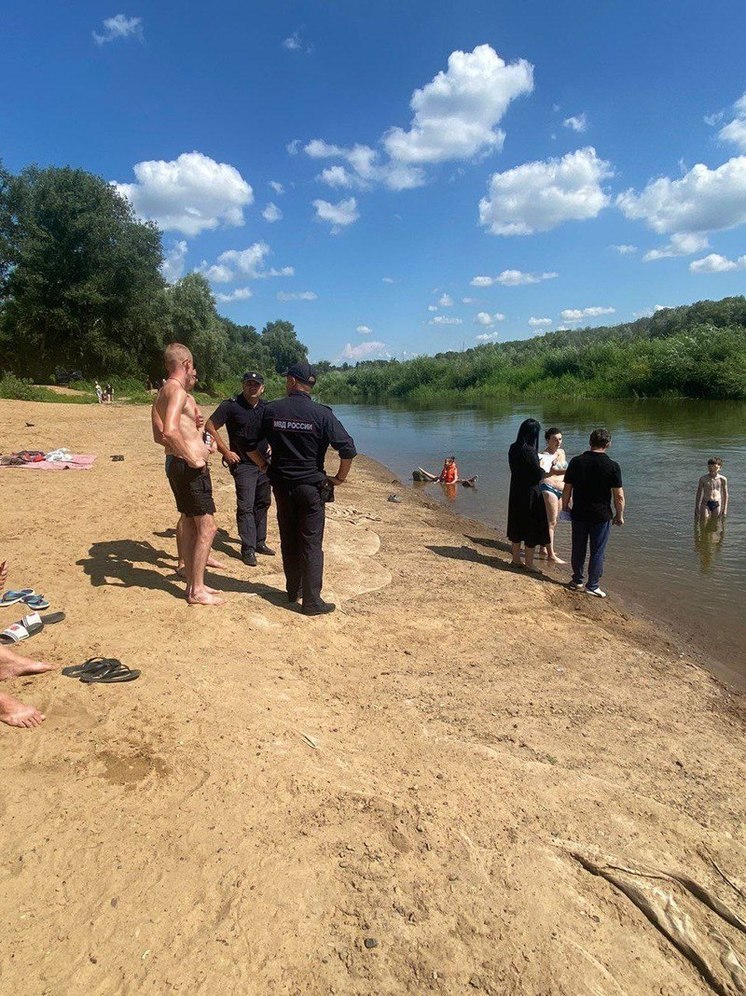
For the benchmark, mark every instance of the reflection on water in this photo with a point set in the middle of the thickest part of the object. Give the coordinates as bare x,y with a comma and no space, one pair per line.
693,573
708,540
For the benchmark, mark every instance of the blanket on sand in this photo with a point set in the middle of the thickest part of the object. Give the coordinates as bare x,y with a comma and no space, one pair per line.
79,461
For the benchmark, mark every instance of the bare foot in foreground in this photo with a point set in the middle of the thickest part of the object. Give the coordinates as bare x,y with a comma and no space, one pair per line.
15,713
203,597
14,666
556,560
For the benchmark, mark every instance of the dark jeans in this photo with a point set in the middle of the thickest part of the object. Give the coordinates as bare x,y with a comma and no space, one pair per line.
301,516
253,498
598,534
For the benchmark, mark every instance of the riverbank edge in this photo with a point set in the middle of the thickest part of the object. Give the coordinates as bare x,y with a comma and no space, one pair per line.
656,629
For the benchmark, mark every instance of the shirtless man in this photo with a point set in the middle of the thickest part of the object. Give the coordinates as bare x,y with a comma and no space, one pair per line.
12,665
712,492
188,473
157,425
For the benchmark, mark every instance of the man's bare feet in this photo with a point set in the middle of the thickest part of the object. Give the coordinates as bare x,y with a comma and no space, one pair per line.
556,560
15,713
212,562
14,666
203,597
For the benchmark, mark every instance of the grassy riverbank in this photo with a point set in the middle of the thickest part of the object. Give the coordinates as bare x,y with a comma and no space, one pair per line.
697,351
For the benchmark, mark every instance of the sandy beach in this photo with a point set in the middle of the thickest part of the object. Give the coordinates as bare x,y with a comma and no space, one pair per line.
465,780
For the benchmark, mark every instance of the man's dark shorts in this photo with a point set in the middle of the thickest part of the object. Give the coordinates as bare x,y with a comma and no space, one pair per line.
192,488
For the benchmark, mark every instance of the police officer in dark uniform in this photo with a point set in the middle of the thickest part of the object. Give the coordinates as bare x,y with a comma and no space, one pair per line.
242,417
299,432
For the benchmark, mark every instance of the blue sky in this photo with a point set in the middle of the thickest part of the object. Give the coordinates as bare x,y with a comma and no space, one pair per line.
405,177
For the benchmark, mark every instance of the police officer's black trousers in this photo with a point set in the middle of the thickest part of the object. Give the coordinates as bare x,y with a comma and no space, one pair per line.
252,501
301,516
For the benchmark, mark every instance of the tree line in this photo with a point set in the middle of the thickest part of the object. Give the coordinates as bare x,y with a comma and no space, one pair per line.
81,289
694,351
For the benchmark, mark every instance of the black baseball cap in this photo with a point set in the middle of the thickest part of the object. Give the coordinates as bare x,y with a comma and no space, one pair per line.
253,376
302,372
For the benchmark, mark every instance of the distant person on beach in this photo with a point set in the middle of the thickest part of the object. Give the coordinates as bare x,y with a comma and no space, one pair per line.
188,472
527,514
12,665
554,463
449,473
253,490
712,492
99,393
592,480
109,394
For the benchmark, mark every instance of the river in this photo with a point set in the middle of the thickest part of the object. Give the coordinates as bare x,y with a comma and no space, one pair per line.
659,563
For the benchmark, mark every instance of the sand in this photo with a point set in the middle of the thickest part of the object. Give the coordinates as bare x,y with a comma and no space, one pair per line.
501,786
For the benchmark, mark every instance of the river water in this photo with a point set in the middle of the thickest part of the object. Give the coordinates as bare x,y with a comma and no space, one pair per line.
659,562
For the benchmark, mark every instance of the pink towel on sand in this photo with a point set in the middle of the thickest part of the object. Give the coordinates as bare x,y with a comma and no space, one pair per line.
80,461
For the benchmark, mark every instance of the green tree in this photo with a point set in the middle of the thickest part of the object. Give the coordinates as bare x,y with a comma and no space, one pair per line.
80,282
195,323
283,345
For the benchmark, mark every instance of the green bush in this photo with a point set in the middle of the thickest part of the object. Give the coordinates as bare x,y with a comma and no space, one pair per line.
12,388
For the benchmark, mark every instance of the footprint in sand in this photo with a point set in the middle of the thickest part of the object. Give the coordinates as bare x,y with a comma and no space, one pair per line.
351,568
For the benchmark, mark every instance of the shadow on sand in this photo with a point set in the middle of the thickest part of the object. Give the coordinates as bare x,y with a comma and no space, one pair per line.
130,563
473,556
222,544
493,544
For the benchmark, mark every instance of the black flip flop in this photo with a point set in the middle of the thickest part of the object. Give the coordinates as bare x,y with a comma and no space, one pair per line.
94,665
110,677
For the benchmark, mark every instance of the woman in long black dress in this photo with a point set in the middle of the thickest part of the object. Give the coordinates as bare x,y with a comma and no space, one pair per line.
527,514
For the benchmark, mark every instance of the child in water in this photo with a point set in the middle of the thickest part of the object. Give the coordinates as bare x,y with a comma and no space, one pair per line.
712,492
449,473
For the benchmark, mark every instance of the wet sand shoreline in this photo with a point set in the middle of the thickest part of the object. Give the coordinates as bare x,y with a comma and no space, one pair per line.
456,764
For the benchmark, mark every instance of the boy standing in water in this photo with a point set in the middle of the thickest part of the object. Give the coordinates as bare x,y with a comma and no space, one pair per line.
712,492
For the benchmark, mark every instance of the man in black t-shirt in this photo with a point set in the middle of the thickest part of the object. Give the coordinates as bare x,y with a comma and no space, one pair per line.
242,416
591,481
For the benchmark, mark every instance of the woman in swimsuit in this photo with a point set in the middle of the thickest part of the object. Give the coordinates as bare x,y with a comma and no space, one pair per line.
554,463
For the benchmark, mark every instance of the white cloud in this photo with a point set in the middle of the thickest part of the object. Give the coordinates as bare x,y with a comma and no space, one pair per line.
387,280
717,264
539,196
468,300
445,301
680,244
277,187
249,262
371,350
272,213
338,215
297,296
512,278
703,200
624,250
364,330
239,294
536,322
337,176
486,319
190,194
294,43
293,148
487,337
712,119
579,123
735,130
432,307
443,320
117,27
575,314
366,165
456,114
172,267
217,273
317,148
